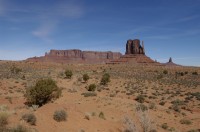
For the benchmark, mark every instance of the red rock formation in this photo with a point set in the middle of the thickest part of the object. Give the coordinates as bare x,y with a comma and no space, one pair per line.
135,53
134,47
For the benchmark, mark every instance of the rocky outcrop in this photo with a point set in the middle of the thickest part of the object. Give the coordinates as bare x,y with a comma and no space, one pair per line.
134,47
171,63
135,53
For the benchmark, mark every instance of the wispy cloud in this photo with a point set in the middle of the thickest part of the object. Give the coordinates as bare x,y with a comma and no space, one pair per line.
48,21
44,32
46,16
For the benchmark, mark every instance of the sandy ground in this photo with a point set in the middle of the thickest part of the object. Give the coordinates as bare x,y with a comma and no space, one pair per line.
117,100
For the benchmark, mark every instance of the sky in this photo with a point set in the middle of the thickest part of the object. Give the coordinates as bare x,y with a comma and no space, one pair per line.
169,28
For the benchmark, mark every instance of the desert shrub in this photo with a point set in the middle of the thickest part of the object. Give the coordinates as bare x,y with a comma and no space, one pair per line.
15,70
60,115
68,74
141,107
29,118
3,119
92,87
101,115
140,99
194,73
162,103
152,106
144,118
164,126
85,77
18,128
175,108
160,76
105,79
44,91
165,72
129,125
185,121
89,94
178,102
197,95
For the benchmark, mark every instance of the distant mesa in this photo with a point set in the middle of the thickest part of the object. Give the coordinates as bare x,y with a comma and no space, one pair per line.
77,56
135,53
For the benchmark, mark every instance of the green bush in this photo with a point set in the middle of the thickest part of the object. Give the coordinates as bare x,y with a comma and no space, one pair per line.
105,79
29,118
60,115
44,91
85,77
68,74
92,87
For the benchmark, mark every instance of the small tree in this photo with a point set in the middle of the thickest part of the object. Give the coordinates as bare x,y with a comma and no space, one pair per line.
85,77
68,74
105,79
44,91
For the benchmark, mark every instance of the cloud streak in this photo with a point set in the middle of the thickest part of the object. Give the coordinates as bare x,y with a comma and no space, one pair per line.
48,21
47,17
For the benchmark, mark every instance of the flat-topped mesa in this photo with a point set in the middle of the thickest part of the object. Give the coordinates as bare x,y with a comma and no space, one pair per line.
134,47
77,56
76,53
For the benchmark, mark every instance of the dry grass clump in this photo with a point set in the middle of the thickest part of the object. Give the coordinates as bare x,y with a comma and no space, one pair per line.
60,115
29,118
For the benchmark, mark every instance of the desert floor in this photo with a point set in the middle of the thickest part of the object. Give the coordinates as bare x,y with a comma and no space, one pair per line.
137,98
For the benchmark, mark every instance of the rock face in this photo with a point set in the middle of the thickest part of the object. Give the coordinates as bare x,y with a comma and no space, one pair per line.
77,56
170,59
134,47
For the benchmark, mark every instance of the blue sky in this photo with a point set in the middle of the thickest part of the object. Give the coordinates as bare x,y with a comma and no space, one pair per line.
169,28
